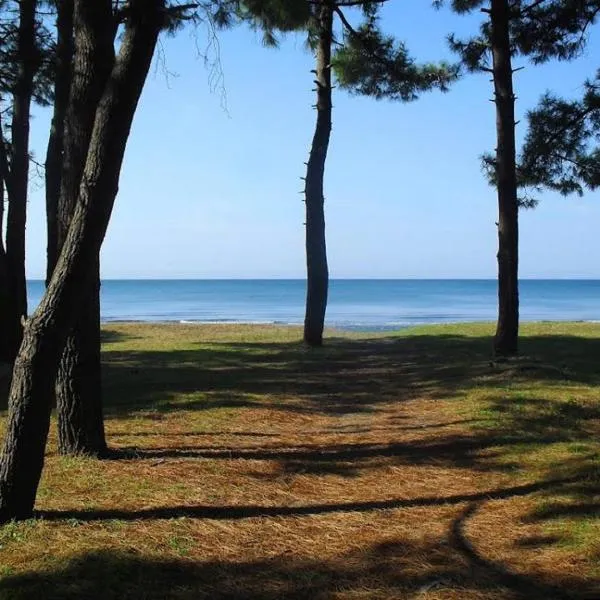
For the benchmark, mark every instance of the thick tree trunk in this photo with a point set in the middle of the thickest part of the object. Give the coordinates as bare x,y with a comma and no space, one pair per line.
507,331
45,333
19,176
79,380
316,249
78,386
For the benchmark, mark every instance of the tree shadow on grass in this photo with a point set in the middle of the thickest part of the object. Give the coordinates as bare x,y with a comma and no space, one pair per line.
237,512
449,451
395,568
112,336
360,376
345,377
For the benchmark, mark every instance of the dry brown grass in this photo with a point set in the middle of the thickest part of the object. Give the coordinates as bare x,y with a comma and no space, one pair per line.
388,467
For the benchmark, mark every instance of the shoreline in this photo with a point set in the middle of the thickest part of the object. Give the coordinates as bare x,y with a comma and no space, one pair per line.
290,330
352,327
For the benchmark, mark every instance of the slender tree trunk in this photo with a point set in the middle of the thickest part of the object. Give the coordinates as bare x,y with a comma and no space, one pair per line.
19,175
4,349
78,385
507,332
45,333
54,153
316,249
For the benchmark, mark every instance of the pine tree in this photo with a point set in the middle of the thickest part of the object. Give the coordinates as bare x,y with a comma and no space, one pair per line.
539,30
365,45
561,150
25,58
45,333
77,94
82,68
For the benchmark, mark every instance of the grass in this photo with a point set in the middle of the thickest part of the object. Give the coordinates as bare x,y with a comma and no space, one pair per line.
380,466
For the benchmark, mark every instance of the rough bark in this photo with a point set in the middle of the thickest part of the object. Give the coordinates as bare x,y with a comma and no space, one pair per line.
507,331
79,380
19,176
78,384
316,250
36,366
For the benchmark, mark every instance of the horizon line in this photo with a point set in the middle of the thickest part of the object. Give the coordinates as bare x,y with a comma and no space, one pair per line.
533,278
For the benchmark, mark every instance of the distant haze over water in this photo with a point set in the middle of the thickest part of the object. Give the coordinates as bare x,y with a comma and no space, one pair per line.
353,303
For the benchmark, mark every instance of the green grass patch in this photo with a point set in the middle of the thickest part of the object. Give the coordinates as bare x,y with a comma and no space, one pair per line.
406,464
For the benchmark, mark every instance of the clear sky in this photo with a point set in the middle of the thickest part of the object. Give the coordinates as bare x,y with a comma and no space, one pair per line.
213,193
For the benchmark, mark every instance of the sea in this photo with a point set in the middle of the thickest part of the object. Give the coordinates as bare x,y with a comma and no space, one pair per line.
357,304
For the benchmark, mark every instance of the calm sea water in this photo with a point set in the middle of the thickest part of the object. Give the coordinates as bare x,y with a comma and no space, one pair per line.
353,304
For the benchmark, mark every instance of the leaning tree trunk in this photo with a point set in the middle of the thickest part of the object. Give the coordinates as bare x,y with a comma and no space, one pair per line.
507,332
78,384
19,176
316,250
31,393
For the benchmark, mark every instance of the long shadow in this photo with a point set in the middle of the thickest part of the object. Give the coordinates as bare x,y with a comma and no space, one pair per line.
237,512
335,430
521,585
452,451
362,376
397,568
348,376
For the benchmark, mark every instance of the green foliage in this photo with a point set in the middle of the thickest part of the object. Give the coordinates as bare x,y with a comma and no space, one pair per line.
473,53
553,28
558,152
373,64
526,189
278,15
461,6
540,30
9,55
561,147
270,17
561,150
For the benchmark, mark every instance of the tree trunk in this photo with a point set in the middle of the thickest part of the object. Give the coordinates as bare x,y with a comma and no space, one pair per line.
316,250
79,380
36,366
19,176
78,385
507,332
54,153
4,348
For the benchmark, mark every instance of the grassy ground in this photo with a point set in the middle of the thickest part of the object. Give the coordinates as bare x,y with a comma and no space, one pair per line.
404,466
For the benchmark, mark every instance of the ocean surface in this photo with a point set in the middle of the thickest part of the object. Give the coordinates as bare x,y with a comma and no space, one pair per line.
370,304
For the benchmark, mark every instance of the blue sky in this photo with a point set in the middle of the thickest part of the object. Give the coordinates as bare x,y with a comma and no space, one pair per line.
213,193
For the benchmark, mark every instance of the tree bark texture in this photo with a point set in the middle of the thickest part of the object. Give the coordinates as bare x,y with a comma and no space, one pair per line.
28,61
79,380
316,250
78,384
507,331
36,366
